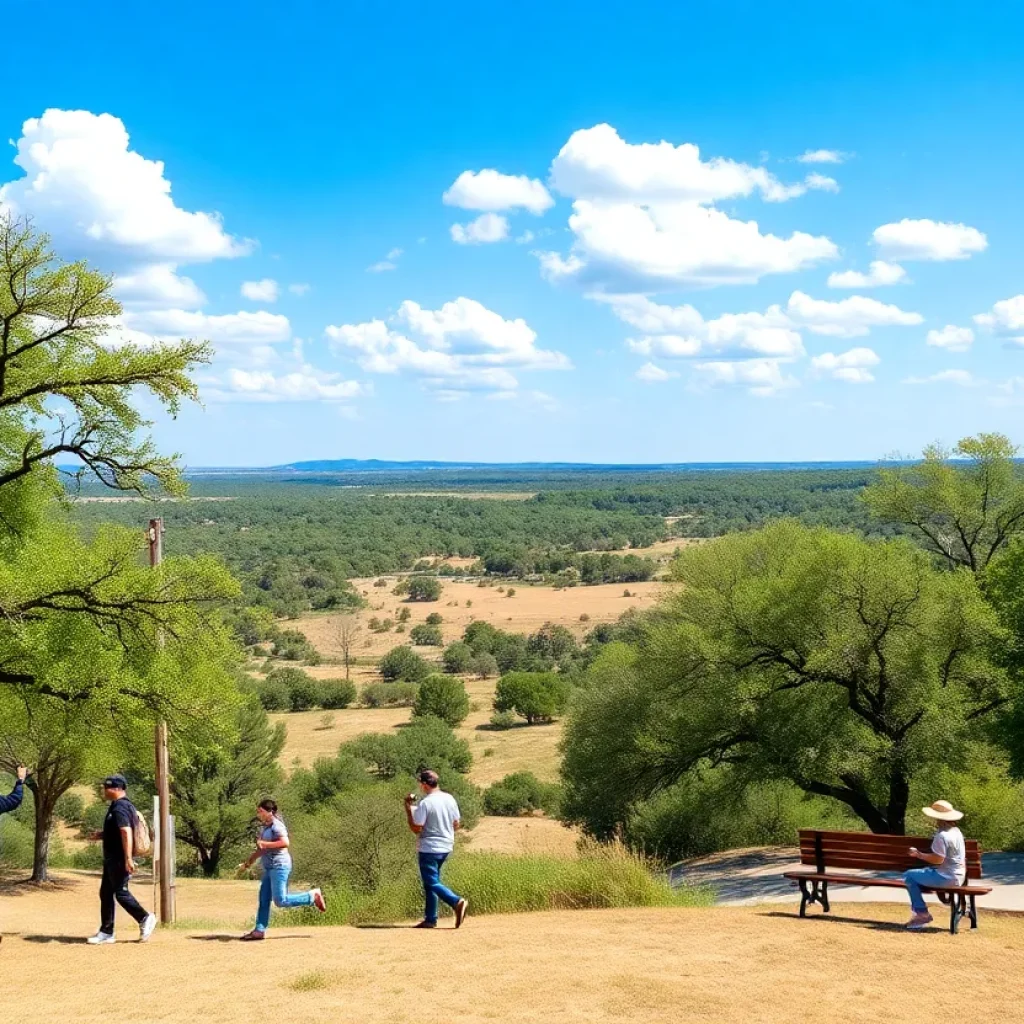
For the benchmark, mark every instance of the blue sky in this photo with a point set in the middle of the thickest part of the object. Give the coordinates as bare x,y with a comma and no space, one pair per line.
608,292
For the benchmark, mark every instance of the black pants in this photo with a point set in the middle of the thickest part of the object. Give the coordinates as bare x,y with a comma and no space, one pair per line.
115,887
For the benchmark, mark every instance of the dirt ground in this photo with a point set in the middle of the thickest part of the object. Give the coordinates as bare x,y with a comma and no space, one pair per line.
760,965
525,612
496,753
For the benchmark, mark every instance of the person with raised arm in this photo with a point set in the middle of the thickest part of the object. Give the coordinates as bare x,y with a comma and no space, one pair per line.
272,850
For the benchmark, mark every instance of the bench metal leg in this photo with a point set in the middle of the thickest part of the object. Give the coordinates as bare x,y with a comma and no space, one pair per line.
974,913
813,891
957,910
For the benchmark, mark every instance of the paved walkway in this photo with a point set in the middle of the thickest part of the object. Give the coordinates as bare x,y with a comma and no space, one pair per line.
744,877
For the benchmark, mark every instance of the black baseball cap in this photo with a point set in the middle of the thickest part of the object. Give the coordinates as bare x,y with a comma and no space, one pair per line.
115,782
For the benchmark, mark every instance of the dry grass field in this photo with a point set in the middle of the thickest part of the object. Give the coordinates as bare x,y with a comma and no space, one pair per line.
525,612
495,753
758,965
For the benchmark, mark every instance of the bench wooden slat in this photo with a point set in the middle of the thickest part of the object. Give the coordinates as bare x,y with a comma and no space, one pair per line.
890,883
869,851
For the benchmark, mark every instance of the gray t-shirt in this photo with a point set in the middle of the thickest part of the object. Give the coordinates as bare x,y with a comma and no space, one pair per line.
437,812
949,845
275,858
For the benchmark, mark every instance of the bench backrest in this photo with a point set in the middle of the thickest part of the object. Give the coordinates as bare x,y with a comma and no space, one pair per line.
872,852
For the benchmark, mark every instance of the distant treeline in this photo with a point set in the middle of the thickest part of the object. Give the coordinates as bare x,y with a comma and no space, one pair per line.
295,545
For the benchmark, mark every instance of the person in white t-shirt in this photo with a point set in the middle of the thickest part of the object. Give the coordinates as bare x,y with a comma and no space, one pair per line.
435,820
947,859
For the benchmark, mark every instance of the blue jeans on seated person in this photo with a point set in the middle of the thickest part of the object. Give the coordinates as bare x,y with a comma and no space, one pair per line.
433,888
928,877
274,888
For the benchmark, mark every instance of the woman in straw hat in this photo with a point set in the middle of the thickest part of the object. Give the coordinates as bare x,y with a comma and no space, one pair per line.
948,860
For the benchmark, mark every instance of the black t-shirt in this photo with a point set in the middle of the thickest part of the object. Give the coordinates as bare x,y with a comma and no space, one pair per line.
120,814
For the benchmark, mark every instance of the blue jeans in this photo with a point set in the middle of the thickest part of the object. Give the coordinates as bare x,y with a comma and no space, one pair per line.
433,888
274,888
928,877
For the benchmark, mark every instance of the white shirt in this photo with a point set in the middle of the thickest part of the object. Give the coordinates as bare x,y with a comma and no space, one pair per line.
949,845
437,812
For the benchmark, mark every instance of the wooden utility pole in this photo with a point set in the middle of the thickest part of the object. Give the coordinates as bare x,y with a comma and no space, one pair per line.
164,860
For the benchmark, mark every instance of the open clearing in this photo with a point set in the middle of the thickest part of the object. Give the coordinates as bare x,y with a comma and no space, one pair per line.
758,965
525,612
496,753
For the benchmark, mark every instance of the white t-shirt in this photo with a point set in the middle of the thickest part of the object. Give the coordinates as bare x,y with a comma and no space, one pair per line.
437,812
949,845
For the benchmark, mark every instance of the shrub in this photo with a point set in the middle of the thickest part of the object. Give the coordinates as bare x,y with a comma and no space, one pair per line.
273,694
511,592
336,693
292,645
521,793
424,588
483,666
457,657
423,743
404,614
443,697
389,695
403,663
503,720
426,636
303,689
380,583
433,619
536,696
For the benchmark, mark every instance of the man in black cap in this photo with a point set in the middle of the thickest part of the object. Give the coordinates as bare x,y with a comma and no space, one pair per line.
118,838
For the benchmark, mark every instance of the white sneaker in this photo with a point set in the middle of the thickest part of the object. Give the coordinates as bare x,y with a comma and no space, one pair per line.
147,927
100,939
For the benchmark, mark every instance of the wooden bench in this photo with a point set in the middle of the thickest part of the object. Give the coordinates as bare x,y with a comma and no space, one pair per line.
825,851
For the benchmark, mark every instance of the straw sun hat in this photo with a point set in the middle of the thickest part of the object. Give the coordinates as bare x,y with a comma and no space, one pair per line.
942,810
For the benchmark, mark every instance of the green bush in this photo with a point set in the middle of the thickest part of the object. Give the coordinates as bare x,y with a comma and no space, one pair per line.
483,666
434,619
521,793
457,657
443,697
272,694
389,695
426,636
423,588
336,693
403,663
504,720
423,743
303,689
536,696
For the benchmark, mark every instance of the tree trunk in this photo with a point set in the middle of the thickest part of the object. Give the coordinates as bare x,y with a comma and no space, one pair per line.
44,826
899,797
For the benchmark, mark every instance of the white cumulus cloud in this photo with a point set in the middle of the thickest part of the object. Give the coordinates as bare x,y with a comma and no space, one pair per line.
928,240
654,374
853,366
822,156
678,332
951,338
306,384
962,378
230,329
157,285
261,291
461,347
847,318
1006,319
879,274
488,227
93,194
493,192
761,377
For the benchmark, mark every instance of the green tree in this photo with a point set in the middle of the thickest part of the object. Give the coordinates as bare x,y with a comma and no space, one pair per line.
457,657
426,636
535,696
92,642
215,787
403,663
965,505
423,743
850,668
424,588
443,697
